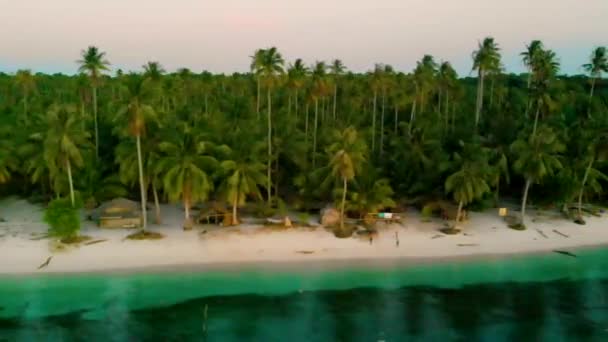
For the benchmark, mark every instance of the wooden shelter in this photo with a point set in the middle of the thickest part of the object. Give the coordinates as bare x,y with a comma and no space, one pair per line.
215,213
119,213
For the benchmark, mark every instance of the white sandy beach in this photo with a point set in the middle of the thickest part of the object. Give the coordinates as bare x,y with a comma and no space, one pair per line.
486,234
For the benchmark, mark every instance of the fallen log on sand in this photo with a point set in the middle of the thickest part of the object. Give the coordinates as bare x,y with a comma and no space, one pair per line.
46,263
560,233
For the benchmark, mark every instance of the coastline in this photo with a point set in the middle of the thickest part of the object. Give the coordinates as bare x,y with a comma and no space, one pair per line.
258,247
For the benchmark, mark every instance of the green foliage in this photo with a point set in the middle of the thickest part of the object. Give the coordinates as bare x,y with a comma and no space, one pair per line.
62,218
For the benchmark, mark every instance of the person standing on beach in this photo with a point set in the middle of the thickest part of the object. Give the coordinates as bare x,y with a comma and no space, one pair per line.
396,239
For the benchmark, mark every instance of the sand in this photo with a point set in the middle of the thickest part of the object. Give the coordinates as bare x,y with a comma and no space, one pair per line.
21,250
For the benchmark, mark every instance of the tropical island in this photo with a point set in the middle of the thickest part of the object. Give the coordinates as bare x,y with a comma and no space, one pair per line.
297,162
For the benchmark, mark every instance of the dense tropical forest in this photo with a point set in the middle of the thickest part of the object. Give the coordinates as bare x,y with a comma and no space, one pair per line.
297,135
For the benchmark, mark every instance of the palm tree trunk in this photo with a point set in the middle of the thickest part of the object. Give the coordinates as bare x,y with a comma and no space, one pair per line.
306,125
458,213
491,92
536,119
296,109
396,117
524,200
269,165
235,202
382,122
582,190
25,106
447,110
156,203
591,97
141,184
95,119
479,104
206,103
258,98
412,117
345,184
374,122
69,167
314,133
335,99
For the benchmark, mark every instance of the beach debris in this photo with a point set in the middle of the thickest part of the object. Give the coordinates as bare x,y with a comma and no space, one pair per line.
396,239
560,233
467,234
542,233
95,242
330,216
437,236
565,253
467,245
46,263
305,252
41,237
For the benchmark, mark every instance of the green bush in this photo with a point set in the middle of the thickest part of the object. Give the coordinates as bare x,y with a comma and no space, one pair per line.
427,211
62,218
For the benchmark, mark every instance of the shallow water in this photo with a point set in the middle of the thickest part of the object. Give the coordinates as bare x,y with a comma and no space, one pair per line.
545,297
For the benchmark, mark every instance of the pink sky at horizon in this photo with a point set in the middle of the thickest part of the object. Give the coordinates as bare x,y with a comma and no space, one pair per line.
220,36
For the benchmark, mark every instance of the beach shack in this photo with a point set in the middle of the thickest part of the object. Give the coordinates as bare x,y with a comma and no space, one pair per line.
119,213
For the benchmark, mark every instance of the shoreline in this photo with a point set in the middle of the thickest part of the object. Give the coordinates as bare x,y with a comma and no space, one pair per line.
484,236
310,264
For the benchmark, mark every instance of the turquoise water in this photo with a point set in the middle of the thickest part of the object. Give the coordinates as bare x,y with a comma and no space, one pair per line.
545,297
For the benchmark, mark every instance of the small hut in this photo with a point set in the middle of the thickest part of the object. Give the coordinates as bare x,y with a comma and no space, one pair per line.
119,213
216,213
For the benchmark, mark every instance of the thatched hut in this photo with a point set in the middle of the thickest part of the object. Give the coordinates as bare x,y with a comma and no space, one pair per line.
119,213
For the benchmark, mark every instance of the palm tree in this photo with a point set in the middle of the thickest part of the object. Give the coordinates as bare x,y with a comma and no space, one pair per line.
257,60
27,82
530,56
63,141
93,63
337,69
8,158
596,151
598,63
348,154
242,172
153,71
546,67
537,158
296,74
423,79
137,112
319,90
185,163
485,59
470,182
271,66
447,78
370,193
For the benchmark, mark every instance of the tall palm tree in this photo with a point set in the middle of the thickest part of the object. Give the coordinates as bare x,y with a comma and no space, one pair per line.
153,71
93,63
8,157
296,74
423,79
257,61
485,58
319,90
27,82
447,78
63,142
136,112
271,66
537,157
530,56
185,163
348,154
337,69
598,63
546,67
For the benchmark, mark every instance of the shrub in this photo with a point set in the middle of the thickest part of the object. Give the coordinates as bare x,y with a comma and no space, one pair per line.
62,218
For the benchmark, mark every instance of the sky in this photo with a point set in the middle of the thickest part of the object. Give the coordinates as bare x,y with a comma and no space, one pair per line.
220,35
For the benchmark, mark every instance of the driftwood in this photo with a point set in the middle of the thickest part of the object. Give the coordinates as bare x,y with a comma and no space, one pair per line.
467,244
305,252
95,242
46,263
437,236
542,233
560,233
565,253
